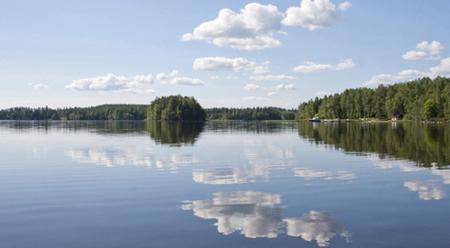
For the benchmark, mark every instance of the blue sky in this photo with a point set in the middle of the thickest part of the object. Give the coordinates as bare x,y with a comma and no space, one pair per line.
82,53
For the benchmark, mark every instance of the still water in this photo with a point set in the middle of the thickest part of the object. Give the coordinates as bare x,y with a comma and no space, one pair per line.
224,184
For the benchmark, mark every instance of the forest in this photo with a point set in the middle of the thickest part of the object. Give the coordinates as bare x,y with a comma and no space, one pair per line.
175,108
101,112
259,113
422,99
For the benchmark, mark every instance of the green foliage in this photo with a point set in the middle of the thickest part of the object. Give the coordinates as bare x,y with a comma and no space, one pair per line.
101,112
427,145
175,108
415,100
250,114
430,109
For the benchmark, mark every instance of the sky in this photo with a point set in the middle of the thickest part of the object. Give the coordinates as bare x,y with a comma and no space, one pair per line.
224,53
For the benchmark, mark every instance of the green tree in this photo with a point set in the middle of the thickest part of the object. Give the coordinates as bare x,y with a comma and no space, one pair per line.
176,108
430,109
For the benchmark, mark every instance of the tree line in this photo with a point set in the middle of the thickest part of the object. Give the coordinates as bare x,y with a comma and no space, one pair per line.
101,112
420,99
250,114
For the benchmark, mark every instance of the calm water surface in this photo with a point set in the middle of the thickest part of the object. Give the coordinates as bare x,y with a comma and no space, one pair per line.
224,184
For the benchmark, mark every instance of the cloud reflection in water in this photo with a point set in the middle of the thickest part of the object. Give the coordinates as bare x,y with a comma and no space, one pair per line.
259,215
426,191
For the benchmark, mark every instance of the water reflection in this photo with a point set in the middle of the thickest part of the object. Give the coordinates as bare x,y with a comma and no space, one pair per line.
386,164
426,191
323,174
444,174
175,133
316,226
110,156
426,145
259,215
253,214
101,127
226,175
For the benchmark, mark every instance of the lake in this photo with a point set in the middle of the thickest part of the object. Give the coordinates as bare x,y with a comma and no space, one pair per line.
224,184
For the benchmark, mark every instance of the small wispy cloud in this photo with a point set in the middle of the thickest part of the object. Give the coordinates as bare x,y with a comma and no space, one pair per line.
309,66
38,86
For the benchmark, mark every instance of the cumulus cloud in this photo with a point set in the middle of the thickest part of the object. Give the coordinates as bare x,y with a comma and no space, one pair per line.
424,50
442,69
284,87
252,87
402,76
38,86
253,214
268,77
111,82
316,226
314,14
137,83
250,29
322,174
309,66
426,191
229,64
254,26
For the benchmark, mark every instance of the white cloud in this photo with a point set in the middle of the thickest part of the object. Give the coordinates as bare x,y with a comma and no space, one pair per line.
273,93
137,83
284,87
323,93
250,29
426,191
344,64
185,81
254,26
402,76
309,66
229,64
111,82
38,86
252,87
255,98
345,6
317,226
314,14
268,77
174,78
424,50
443,69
